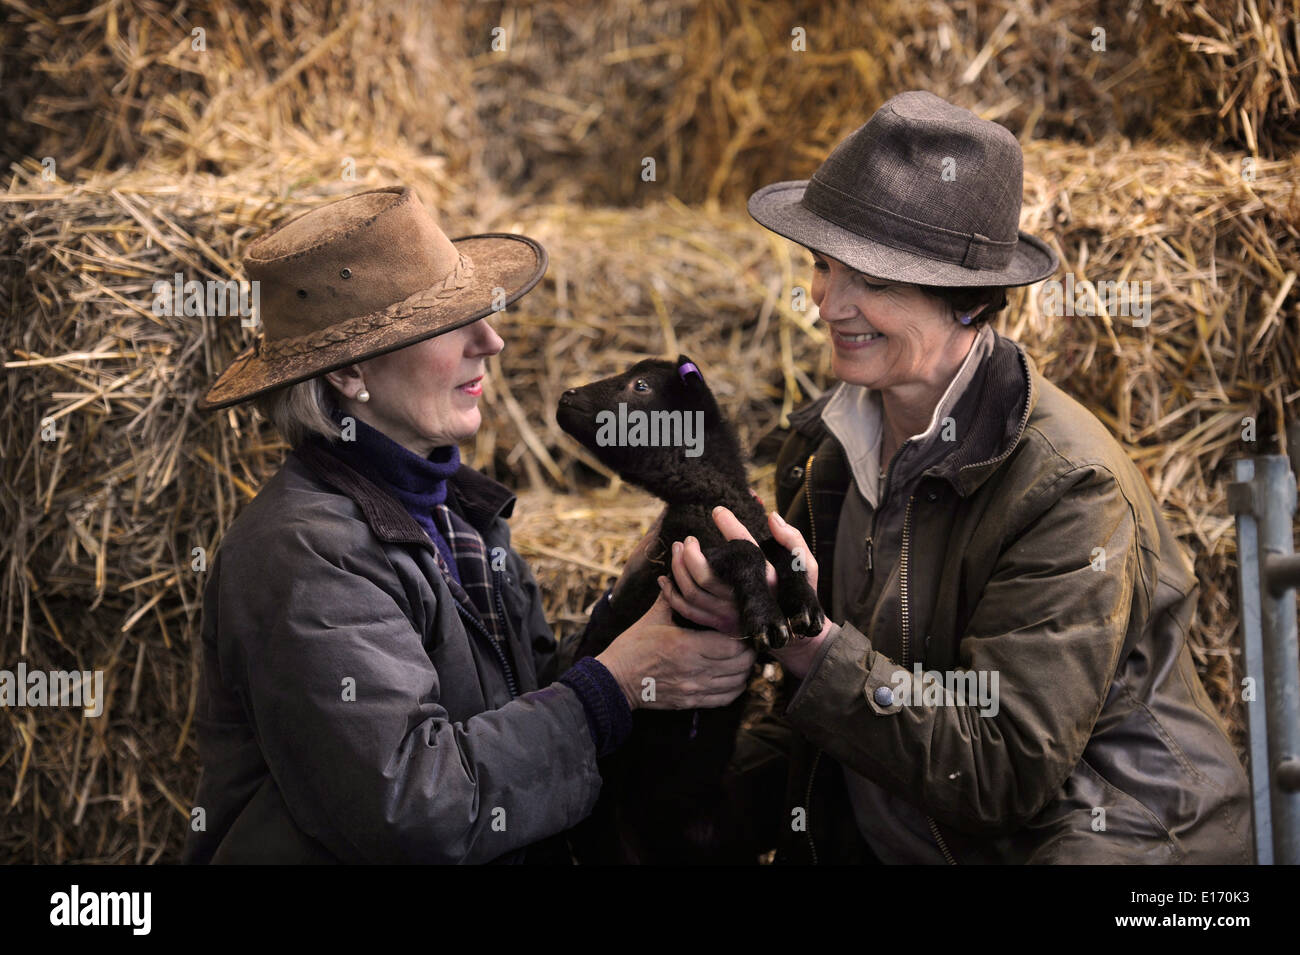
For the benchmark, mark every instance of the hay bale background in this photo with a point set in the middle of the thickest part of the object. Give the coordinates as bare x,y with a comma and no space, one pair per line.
122,84
163,168
582,92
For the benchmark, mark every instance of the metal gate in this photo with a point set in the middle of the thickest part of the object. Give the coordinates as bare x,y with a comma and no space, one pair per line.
1263,498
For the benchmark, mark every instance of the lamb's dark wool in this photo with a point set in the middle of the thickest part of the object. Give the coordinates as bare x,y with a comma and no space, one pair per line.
662,800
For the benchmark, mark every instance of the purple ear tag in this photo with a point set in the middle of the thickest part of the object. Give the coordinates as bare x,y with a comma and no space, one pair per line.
688,368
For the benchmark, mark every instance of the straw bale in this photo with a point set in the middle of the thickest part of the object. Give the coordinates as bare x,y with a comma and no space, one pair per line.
123,83
1243,58
718,96
565,100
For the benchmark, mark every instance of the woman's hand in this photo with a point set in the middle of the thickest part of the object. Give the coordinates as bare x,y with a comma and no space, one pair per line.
661,666
703,598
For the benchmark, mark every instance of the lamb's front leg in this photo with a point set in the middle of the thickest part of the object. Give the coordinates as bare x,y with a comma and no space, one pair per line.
741,565
795,595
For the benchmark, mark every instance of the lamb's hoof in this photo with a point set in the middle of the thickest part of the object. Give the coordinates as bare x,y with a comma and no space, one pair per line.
800,605
808,623
777,635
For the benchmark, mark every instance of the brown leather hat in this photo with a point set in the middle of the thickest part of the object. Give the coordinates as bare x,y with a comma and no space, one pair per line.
365,275
924,193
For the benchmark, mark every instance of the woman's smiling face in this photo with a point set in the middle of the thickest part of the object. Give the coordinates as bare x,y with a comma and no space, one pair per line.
882,334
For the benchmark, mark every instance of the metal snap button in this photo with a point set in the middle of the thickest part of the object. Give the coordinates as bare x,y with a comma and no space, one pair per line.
884,696
346,273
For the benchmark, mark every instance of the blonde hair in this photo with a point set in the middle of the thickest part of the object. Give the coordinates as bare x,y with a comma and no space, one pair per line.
300,410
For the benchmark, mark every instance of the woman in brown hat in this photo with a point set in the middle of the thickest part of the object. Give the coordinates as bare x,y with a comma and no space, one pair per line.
378,677
1005,675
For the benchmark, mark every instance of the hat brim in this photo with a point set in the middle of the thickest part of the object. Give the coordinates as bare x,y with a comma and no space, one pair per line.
777,207
514,263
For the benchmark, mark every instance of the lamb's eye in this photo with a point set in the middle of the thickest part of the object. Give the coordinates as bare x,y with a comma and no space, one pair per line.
641,385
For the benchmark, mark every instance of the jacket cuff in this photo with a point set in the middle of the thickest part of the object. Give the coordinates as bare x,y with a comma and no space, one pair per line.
609,718
846,676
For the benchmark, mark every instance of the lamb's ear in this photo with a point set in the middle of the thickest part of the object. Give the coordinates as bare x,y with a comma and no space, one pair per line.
687,371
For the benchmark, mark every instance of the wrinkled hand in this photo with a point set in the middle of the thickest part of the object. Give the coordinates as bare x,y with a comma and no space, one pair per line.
661,666
698,595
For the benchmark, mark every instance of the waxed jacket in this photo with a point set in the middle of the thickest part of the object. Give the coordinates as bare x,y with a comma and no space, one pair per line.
350,711
1105,747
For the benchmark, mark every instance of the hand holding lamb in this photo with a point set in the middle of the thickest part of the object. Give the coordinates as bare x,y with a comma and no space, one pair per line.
700,596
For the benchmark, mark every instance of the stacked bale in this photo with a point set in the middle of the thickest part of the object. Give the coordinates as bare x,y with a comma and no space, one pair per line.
215,85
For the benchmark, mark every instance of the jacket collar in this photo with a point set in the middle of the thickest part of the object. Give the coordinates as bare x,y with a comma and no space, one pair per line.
1005,379
992,416
476,497
481,500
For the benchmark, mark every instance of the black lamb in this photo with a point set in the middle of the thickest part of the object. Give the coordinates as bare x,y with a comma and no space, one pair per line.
659,427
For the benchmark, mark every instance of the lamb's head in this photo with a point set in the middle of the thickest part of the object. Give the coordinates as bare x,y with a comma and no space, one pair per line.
656,425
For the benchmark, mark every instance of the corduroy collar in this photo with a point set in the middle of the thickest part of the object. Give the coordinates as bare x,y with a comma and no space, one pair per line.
474,496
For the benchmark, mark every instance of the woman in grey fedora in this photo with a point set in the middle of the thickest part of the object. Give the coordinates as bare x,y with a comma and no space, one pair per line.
1004,675
378,677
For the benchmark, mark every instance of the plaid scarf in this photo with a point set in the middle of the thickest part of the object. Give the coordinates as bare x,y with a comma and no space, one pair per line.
474,589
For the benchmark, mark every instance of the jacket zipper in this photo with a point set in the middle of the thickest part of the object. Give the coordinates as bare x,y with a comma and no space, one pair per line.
904,610
807,801
807,493
817,755
511,683
905,615
943,846
505,622
501,657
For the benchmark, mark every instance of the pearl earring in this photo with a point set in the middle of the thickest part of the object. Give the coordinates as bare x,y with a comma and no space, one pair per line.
363,395
966,319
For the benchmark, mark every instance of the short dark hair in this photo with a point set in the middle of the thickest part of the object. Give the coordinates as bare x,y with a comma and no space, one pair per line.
965,300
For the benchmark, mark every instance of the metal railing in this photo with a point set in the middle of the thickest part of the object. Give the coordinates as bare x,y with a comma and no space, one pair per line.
1263,498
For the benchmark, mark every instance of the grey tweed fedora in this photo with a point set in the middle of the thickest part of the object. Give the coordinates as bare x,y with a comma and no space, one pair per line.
924,193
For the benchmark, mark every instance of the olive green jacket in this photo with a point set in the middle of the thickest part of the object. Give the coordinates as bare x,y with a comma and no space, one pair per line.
1030,546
